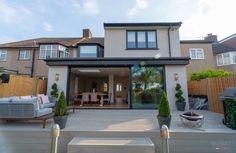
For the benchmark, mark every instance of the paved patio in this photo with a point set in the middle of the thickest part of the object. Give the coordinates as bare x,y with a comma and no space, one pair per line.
213,137
121,120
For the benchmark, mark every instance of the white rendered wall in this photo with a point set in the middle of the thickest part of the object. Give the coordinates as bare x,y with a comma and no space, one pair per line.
62,82
171,83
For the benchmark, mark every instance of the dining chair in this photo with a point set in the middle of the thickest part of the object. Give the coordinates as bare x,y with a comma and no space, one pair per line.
107,98
85,98
94,97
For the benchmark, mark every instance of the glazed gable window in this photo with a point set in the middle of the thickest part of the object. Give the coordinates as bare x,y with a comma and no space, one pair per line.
141,39
53,51
3,55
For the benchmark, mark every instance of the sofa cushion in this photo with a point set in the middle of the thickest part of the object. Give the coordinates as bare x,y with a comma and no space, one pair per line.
47,105
44,99
34,99
43,111
5,99
25,97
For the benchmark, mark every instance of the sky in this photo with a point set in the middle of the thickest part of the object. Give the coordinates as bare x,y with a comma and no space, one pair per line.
26,19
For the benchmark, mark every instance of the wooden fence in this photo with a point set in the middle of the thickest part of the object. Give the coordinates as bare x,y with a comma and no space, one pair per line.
22,86
212,88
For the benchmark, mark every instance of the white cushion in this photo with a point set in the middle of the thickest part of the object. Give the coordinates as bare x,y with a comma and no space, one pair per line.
44,99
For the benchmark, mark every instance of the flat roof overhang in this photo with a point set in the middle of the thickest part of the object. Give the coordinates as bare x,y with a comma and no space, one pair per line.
115,62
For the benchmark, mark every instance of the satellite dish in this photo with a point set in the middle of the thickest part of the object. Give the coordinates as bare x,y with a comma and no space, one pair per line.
158,55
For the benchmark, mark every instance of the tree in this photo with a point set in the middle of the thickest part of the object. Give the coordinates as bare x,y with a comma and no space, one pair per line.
61,107
164,108
54,91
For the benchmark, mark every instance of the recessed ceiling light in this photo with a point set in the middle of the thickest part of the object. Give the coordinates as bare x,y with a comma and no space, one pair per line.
89,70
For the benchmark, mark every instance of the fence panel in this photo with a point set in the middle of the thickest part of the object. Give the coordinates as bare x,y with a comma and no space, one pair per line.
212,88
22,86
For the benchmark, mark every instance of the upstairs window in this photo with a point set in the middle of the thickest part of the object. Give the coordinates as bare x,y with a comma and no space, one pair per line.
196,53
3,55
88,51
24,55
141,39
53,51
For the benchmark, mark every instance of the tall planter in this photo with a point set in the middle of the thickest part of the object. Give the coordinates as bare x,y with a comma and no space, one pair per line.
164,116
61,115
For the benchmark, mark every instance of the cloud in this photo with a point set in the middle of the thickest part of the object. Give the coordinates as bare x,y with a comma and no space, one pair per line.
12,13
88,7
139,5
211,17
47,27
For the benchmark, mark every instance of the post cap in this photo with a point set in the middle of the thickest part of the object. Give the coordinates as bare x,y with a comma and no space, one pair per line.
55,132
165,132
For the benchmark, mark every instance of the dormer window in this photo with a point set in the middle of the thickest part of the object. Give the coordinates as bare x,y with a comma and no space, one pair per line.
53,51
89,51
141,39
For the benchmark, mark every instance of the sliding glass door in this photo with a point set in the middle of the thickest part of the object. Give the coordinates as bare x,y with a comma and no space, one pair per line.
147,86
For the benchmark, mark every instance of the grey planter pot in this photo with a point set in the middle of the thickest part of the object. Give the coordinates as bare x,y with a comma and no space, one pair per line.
61,121
180,106
164,121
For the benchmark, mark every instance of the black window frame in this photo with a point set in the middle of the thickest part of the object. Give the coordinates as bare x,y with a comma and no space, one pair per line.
136,40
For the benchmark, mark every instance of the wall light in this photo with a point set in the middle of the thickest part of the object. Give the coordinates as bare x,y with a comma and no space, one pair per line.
176,76
57,77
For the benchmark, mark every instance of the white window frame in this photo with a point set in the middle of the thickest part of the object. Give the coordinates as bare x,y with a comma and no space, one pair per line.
223,60
24,52
54,53
3,52
196,50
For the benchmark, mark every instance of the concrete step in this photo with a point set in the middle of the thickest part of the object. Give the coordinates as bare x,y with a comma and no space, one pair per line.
110,145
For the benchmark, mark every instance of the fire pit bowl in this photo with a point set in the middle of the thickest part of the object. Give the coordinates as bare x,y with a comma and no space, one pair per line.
192,119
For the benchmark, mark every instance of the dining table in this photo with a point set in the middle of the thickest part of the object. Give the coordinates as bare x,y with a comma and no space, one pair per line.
101,94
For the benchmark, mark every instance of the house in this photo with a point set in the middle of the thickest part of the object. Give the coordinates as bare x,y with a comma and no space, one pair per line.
139,60
201,54
27,57
225,53
210,53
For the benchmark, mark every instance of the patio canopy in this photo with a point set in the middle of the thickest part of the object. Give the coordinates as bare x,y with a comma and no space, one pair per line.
105,61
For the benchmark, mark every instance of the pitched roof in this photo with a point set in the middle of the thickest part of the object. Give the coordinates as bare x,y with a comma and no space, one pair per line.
219,48
68,42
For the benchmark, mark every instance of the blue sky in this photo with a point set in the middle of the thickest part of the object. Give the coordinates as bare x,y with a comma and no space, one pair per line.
26,19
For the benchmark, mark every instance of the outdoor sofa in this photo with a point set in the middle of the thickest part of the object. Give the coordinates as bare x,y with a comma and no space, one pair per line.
30,108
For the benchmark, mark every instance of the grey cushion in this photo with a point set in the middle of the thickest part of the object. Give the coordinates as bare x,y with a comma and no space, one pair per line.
5,99
43,111
47,105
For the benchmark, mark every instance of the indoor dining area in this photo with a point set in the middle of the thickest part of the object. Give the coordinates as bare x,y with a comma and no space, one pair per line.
99,88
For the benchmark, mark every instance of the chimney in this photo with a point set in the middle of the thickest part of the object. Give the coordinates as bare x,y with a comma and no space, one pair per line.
211,37
87,33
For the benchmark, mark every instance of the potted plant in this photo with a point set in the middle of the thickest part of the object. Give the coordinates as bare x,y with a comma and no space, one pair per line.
164,116
180,100
61,115
54,91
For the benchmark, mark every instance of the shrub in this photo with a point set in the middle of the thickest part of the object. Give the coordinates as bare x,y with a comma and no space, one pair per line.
61,107
210,73
179,93
164,108
54,91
